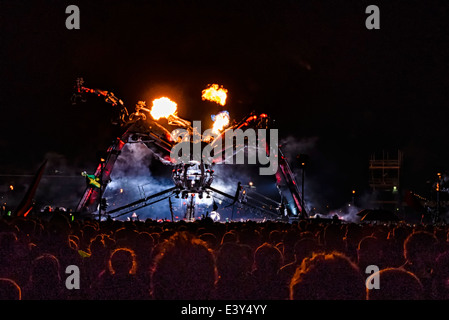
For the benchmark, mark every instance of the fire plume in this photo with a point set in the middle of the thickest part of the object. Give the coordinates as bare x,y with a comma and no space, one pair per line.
221,121
163,108
215,93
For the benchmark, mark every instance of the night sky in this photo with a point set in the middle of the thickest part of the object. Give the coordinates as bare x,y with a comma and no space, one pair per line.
344,91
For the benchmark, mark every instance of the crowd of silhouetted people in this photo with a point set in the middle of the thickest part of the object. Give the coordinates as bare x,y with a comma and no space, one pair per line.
306,259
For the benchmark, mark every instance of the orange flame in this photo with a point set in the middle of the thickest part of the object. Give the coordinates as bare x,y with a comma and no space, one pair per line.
163,108
215,93
221,120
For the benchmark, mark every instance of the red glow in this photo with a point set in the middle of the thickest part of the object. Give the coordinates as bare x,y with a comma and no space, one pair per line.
168,137
28,211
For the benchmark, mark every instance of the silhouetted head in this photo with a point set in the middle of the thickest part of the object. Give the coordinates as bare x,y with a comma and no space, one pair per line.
268,258
306,247
420,247
441,276
144,241
122,262
400,233
184,268
395,284
369,251
45,273
275,236
9,290
327,277
97,246
210,239
333,237
230,236
233,260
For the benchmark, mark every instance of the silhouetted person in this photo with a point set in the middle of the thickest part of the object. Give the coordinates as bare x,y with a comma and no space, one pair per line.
206,260
230,236
144,254
333,238
290,238
394,254
442,245
56,241
440,285
369,252
304,248
9,290
234,263
395,284
352,238
97,262
210,239
126,236
184,269
268,284
327,277
274,237
119,281
10,264
45,280
420,255
250,235
88,232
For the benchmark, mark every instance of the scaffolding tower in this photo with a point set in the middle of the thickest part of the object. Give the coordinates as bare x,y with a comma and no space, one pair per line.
384,181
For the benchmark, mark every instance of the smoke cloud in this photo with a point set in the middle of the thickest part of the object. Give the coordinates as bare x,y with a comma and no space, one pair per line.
349,211
132,179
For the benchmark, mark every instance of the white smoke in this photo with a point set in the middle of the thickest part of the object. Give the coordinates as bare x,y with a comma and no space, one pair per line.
131,180
349,211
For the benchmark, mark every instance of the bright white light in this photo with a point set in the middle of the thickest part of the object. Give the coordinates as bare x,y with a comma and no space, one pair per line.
215,216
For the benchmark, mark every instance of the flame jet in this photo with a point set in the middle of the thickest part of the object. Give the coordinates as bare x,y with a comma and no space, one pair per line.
221,120
165,108
215,93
